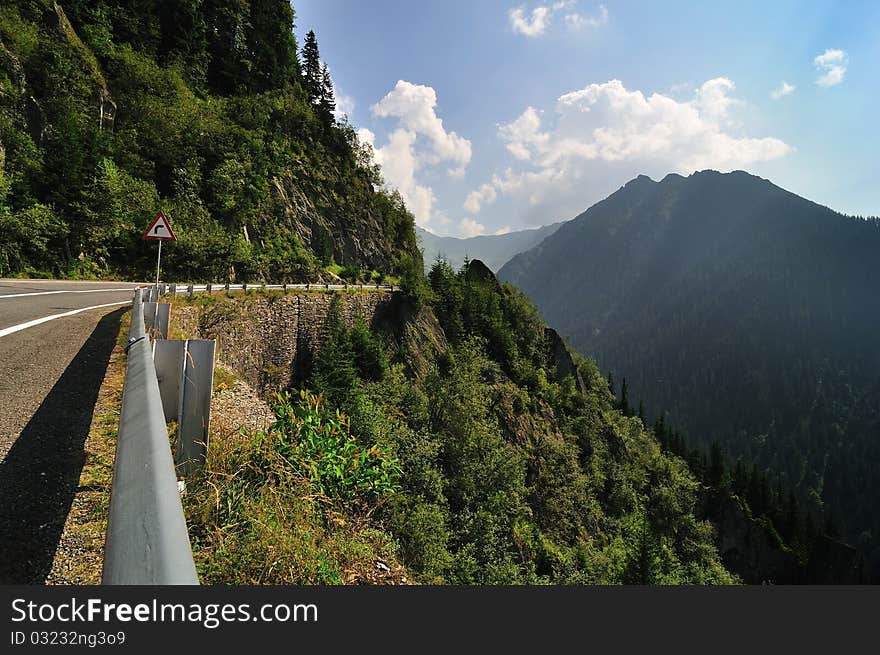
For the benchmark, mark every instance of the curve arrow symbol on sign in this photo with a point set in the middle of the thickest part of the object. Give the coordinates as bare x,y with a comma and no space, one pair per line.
160,229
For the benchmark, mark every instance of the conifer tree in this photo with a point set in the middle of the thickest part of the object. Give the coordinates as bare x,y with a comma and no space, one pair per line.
716,465
624,399
311,67
326,102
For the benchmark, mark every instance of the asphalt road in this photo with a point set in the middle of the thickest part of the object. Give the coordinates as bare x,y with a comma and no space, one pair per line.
50,374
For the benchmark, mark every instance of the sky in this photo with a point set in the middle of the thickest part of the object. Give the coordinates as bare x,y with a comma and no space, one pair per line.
493,116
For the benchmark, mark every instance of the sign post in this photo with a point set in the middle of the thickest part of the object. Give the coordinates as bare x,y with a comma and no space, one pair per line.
159,230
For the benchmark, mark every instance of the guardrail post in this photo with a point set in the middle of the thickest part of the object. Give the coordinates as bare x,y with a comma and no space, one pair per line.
194,415
156,318
244,287
208,288
173,290
190,291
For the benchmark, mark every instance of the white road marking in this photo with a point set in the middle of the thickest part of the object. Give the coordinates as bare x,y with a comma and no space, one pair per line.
37,321
49,293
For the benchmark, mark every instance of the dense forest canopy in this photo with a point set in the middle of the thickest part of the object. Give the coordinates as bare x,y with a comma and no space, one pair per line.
747,313
112,110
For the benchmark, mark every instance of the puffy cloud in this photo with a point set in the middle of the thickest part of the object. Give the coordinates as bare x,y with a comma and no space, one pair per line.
366,136
785,89
414,106
344,106
832,64
533,25
523,133
605,134
609,122
536,22
418,141
485,195
468,227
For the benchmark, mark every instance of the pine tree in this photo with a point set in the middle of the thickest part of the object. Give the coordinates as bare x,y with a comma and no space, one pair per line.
716,465
611,385
326,102
272,45
311,67
624,399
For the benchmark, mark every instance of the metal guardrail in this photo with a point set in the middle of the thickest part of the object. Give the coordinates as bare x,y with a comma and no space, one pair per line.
147,539
209,288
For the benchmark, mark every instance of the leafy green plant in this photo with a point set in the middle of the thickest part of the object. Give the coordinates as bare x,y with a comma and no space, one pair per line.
318,444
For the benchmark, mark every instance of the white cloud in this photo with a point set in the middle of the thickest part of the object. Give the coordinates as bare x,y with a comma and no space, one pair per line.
414,106
606,134
366,136
535,22
485,195
785,89
418,141
579,21
832,64
529,26
525,131
502,230
344,106
468,227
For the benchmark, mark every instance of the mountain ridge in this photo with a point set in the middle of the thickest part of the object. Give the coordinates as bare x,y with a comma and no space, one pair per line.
742,311
494,250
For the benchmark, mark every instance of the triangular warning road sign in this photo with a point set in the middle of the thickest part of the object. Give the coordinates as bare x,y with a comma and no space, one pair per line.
160,229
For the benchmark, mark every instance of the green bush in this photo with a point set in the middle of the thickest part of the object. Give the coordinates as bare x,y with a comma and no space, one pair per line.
319,446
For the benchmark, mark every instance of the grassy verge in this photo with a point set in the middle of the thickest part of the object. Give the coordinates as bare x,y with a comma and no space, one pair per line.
80,554
292,505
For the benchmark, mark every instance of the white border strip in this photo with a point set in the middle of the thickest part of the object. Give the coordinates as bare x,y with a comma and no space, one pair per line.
23,326
50,293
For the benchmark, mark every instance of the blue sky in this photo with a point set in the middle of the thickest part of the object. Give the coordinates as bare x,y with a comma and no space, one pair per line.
491,116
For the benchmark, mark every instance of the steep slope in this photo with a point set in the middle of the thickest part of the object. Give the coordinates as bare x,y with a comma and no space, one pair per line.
111,110
494,250
499,460
747,312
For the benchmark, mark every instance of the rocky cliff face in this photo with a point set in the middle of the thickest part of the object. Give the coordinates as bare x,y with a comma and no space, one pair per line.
270,340
561,359
352,237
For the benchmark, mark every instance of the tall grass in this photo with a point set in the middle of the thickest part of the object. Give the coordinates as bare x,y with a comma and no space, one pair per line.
291,505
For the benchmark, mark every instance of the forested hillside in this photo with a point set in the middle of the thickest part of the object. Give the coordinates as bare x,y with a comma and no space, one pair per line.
470,448
749,314
112,110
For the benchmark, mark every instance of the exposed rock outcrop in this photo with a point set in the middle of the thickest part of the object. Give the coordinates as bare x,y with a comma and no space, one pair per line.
270,341
354,236
561,359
